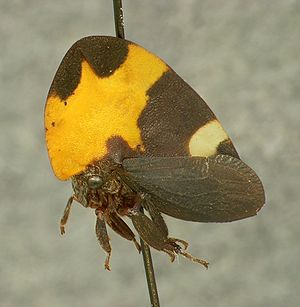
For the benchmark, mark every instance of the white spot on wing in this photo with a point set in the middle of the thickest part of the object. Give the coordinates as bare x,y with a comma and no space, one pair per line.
206,139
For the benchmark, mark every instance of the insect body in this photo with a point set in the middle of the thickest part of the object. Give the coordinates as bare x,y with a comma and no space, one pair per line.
131,134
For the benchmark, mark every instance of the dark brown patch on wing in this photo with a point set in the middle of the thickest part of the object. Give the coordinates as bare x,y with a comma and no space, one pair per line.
105,54
118,149
226,148
174,112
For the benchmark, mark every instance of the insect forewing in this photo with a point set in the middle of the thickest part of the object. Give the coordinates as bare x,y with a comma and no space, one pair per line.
214,189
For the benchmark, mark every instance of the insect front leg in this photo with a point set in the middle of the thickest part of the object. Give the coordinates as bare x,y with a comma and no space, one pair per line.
65,217
102,236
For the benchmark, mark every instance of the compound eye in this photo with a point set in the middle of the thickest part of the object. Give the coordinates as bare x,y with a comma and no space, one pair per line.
95,182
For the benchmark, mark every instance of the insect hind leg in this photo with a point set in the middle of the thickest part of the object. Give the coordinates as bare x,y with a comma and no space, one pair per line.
157,238
156,217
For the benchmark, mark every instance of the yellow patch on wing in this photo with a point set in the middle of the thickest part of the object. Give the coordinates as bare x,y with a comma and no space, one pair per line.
205,141
77,130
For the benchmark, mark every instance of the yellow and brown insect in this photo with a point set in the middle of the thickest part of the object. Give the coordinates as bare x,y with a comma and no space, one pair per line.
131,134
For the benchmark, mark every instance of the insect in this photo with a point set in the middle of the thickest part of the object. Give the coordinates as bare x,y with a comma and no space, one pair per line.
131,134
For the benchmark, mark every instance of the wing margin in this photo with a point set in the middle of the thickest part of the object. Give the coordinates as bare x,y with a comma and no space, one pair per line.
215,189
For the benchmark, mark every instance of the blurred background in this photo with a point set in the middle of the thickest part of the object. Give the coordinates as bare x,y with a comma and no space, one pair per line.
242,57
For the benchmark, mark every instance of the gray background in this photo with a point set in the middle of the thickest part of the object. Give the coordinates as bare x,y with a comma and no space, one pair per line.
243,58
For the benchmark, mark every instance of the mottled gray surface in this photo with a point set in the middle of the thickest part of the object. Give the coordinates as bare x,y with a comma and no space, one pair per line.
243,58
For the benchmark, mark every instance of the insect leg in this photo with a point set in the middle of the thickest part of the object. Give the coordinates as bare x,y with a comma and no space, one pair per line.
148,230
157,239
194,259
156,216
160,222
121,228
102,236
185,244
64,219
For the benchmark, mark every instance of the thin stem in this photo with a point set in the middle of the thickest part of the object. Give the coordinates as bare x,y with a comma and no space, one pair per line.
119,20
149,270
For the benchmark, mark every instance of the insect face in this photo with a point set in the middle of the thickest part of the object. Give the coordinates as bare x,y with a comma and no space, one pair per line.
91,186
